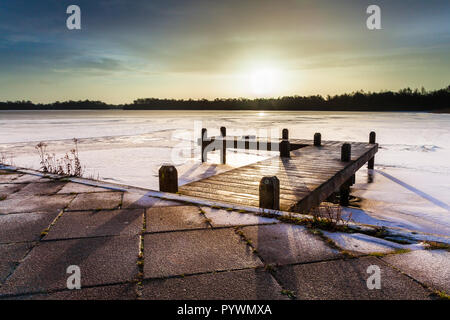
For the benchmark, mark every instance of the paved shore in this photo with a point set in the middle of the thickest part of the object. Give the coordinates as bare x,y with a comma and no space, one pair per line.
132,246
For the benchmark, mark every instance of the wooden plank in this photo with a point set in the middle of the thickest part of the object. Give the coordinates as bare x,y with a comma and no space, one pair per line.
307,178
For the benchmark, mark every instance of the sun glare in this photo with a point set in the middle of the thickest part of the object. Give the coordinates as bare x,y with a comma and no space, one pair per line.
264,81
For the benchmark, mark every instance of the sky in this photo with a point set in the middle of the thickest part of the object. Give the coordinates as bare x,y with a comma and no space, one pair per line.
219,49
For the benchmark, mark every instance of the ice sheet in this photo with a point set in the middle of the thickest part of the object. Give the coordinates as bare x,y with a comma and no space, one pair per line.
411,187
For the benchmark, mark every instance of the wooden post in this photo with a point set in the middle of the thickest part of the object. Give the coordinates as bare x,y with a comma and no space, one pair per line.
223,149
285,145
344,193
346,152
269,193
168,179
285,149
204,137
372,138
317,139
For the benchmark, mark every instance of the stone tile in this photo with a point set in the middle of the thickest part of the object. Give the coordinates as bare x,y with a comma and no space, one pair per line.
174,218
23,227
347,280
221,218
102,261
125,291
29,178
362,243
247,284
72,187
96,201
40,188
82,224
8,177
176,253
9,189
285,243
10,255
35,204
431,267
135,200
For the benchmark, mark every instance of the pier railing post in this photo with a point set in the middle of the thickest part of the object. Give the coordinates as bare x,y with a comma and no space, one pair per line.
346,152
372,139
344,193
223,148
317,139
168,179
285,145
204,137
269,193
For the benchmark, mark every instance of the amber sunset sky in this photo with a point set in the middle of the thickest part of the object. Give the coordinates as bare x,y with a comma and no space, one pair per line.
218,49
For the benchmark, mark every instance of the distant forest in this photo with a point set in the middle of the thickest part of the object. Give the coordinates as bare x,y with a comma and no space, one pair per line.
403,100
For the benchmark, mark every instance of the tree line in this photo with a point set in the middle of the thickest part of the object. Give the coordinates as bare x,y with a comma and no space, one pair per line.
403,100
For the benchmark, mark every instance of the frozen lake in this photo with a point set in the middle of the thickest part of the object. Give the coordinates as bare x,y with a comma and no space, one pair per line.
411,187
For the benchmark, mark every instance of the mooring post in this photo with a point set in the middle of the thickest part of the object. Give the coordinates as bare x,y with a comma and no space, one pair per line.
223,149
372,138
317,139
346,152
285,145
344,193
269,193
204,137
168,179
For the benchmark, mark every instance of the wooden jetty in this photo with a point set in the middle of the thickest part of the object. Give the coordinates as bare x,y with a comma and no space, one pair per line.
304,174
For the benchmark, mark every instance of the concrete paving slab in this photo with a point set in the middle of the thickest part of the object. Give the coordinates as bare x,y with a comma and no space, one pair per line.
40,188
134,200
96,201
106,260
8,189
347,280
8,177
188,252
125,291
362,243
24,227
35,204
82,224
72,187
431,267
29,178
10,255
285,243
247,284
221,218
174,218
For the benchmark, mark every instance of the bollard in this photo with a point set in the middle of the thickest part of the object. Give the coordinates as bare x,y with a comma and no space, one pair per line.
168,179
317,139
285,149
346,152
269,193
204,137
372,137
371,162
344,193
223,148
285,134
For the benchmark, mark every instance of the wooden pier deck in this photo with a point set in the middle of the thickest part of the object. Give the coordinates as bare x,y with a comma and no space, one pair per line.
307,178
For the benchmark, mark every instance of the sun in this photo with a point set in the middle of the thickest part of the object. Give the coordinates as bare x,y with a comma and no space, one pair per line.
264,81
